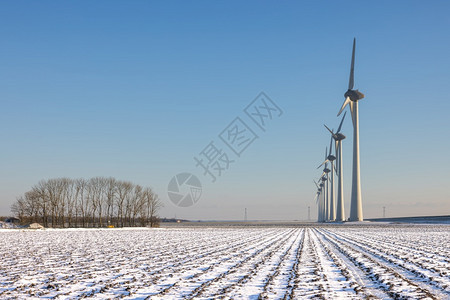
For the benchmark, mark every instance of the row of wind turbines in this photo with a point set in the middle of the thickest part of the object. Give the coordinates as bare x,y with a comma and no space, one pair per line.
330,207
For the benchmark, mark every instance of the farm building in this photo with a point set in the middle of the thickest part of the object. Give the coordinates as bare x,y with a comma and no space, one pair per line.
35,226
13,220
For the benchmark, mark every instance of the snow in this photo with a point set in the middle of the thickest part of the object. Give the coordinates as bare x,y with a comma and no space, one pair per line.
6,225
330,262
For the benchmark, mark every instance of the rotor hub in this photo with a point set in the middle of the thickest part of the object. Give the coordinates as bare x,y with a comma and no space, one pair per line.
339,137
354,95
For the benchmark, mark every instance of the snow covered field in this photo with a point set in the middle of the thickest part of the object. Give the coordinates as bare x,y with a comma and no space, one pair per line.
331,262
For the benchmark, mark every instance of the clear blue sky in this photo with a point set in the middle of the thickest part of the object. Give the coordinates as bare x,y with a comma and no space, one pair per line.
136,89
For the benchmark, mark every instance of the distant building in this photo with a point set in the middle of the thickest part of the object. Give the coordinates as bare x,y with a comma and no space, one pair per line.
35,226
13,220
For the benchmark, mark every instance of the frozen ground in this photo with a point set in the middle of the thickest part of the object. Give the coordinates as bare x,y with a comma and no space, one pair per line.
330,262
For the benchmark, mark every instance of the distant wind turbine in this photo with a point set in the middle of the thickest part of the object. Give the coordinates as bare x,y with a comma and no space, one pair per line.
351,98
331,205
319,202
325,179
338,137
322,201
324,186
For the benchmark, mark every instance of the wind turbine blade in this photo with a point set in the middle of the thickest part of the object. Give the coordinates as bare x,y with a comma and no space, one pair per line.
324,162
331,145
326,155
352,68
340,125
316,183
331,131
347,101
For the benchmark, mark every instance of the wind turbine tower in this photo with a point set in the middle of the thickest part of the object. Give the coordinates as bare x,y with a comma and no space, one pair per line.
322,201
351,98
319,208
338,137
331,158
319,201
324,178
331,214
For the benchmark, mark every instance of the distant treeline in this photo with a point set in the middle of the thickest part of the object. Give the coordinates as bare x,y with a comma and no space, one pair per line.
97,202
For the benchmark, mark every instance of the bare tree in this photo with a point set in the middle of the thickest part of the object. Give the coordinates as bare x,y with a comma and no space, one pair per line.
71,201
40,191
123,190
152,204
33,205
82,203
19,208
110,194
96,188
65,202
136,204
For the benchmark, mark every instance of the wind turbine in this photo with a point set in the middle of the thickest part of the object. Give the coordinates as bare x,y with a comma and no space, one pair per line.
325,181
331,205
322,201
338,137
351,98
318,202
324,185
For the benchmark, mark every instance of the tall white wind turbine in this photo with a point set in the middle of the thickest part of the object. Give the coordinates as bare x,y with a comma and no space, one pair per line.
318,202
325,182
331,203
338,137
351,98
323,202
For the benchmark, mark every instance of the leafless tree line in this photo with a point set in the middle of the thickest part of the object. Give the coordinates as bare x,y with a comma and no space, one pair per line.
97,202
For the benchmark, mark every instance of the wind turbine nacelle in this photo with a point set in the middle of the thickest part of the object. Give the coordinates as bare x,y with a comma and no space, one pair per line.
327,170
354,95
339,137
331,157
